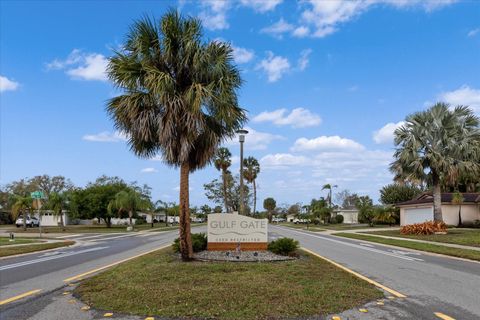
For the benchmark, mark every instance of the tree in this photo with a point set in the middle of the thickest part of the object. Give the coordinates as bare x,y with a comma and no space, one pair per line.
21,206
250,173
217,209
395,193
206,210
57,202
346,199
269,204
222,162
129,201
366,212
214,192
329,187
435,147
457,198
179,98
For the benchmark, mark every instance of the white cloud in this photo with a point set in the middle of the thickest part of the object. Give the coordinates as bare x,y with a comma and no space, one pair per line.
255,140
462,96
385,134
7,84
148,170
297,118
156,158
261,5
106,136
274,66
214,14
327,16
326,143
301,32
83,66
304,59
283,159
242,55
473,32
278,28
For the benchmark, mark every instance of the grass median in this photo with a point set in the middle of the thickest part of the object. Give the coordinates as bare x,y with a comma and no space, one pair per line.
159,284
4,241
13,250
454,252
466,237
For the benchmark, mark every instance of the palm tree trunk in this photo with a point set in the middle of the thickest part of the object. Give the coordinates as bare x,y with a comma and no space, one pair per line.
130,214
437,198
186,249
460,215
269,216
254,197
61,220
224,178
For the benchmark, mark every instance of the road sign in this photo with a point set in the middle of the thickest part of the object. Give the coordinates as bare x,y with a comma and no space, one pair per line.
37,195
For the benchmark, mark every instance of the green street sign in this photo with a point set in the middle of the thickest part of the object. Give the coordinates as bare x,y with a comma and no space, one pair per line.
37,195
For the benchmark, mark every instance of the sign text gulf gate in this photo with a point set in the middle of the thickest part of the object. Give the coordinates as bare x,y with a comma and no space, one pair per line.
227,231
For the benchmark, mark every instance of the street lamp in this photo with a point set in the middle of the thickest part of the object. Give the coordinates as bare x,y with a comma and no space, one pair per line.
241,139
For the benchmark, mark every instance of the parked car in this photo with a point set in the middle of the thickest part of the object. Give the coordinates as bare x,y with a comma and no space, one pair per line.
279,219
301,221
31,222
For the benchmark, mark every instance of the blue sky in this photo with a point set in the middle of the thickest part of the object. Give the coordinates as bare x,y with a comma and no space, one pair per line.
326,83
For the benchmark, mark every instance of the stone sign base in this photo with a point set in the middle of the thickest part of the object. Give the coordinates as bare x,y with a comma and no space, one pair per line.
231,246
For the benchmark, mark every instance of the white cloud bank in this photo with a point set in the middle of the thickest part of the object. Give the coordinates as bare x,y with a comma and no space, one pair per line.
149,170
255,140
7,84
462,96
274,66
82,66
297,118
325,143
106,136
385,134
242,55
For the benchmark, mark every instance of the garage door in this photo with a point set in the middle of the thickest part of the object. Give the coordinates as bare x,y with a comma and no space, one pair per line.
418,215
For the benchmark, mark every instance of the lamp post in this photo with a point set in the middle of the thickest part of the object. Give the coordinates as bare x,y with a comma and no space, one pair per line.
241,139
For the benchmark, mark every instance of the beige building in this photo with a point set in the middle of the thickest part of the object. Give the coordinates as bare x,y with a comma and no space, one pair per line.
350,216
420,209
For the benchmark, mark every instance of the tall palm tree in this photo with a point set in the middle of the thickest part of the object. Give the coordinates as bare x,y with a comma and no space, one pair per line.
329,187
251,169
269,204
222,162
58,202
179,98
22,205
437,146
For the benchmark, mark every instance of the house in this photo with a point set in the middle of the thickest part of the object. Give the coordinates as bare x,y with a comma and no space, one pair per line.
349,215
157,216
49,219
420,209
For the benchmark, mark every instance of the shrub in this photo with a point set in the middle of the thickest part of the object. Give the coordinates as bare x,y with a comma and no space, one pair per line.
426,228
199,242
339,218
283,246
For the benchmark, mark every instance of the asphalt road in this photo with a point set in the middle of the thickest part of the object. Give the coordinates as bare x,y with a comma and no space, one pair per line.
431,284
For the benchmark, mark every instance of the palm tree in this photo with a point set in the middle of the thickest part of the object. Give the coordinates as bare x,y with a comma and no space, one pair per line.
20,206
457,198
250,173
329,187
269,204
222,162
58,202
128,201
179,98
437,146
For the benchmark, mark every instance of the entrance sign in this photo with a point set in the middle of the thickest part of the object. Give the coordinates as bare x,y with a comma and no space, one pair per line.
230,231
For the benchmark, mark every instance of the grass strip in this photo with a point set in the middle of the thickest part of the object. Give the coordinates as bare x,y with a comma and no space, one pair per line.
464,237
159,284
4,241
10,251
454,252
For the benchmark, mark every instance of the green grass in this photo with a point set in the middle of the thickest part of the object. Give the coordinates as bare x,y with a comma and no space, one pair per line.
467,237
159,284
342,226
10,251
5,241
454,252
96,228
311,227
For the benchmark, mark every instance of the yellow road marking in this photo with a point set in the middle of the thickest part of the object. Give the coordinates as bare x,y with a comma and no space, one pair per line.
20,296
108,314
358,275
149,318
443,316
363,310
79,276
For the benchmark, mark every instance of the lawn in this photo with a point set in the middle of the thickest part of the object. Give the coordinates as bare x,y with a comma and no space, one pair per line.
159,284
13,250
311,227
467,237
96,228
460,253
5,241
323,227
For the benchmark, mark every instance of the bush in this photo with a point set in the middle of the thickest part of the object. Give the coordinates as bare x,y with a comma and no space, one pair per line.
339,218
283,246
199,242
426,228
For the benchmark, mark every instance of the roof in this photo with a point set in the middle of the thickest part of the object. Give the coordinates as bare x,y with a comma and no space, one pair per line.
446,198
